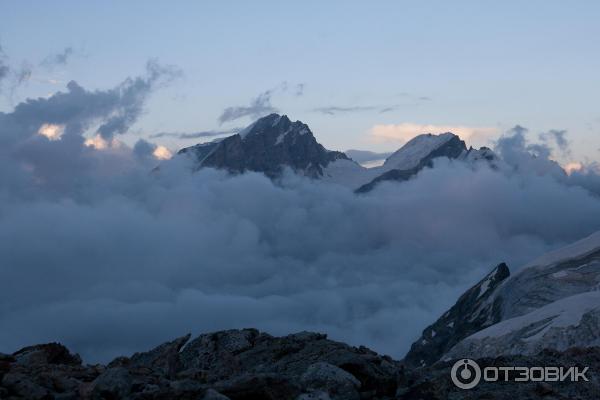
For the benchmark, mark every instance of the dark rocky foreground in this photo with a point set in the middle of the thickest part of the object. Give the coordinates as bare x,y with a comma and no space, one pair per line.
247,364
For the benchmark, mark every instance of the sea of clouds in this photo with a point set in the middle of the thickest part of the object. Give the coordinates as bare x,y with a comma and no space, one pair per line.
107,256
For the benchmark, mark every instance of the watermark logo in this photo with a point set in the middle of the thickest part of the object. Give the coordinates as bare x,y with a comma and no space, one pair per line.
466,374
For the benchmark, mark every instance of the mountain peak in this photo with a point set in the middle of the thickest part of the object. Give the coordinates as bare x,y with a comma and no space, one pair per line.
269,145
409,155
274,122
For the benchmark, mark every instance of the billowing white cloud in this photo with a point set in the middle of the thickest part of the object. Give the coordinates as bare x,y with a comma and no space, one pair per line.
403,132
51,131
573,167
162,153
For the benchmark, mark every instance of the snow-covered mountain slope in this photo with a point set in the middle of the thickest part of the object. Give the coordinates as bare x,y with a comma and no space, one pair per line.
273,143
551,302
268,145
417,154
415,150
573,321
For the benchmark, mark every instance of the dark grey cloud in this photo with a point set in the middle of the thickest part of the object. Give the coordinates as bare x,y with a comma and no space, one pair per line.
23,74
559,137
143,150
260,106
526,157
60,165
59,59
334,110
115,110
408,100
414,98
537,159
132,94
196,135
4,68
149,257
20,76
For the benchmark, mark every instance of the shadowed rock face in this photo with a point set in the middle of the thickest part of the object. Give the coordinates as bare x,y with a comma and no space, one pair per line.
269,145
472,312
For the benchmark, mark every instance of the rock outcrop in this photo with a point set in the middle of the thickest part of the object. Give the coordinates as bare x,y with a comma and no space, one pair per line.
234,364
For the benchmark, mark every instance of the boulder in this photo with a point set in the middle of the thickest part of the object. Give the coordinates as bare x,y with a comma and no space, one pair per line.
114,383
339,384
49,353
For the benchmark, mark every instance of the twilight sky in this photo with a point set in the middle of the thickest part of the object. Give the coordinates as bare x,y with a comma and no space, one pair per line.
364,76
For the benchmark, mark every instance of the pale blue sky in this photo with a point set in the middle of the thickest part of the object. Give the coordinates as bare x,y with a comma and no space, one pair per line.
478,63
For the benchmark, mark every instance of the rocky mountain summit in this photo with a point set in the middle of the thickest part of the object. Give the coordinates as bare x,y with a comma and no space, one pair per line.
268,145
274,143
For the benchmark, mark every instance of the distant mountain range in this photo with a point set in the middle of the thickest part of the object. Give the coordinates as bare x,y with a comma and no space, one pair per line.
274,143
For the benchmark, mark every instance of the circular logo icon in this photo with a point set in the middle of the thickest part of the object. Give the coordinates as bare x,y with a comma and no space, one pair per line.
465,373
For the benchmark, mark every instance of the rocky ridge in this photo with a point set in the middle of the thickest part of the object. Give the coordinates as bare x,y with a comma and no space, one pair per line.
234,364
249,365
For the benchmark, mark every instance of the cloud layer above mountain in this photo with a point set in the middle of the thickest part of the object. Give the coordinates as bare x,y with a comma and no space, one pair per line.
100,253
